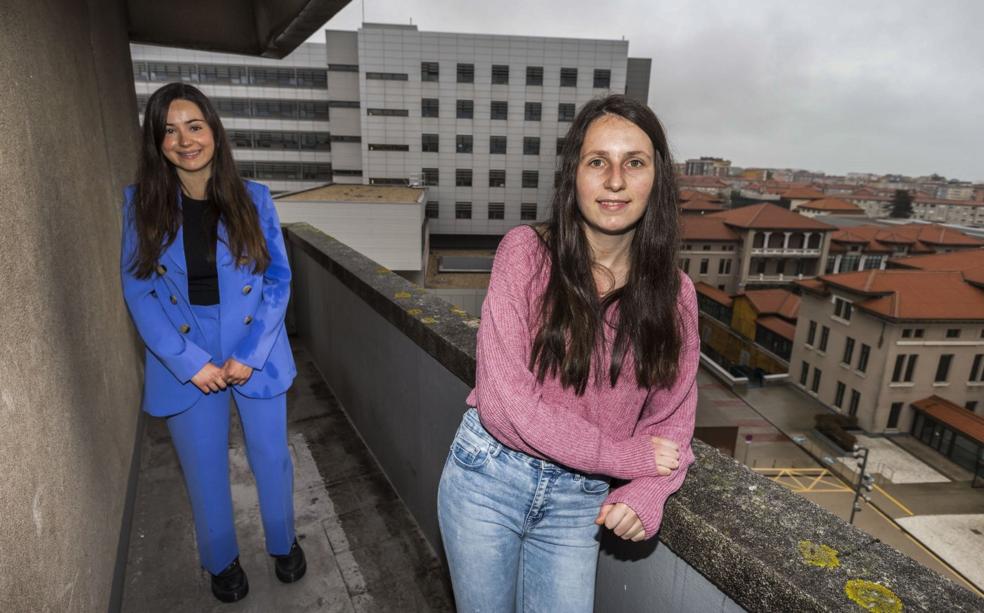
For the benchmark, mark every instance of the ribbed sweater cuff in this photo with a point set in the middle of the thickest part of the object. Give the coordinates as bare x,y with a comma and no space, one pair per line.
629,459
646,498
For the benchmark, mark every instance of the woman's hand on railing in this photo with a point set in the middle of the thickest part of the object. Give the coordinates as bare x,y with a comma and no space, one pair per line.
666,454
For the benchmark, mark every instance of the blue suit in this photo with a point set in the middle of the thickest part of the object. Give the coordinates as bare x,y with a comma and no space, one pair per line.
181,338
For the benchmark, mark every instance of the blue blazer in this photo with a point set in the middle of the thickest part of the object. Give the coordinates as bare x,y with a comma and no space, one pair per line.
251,314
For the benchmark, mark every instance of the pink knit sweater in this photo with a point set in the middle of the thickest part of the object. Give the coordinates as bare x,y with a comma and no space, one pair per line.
606,430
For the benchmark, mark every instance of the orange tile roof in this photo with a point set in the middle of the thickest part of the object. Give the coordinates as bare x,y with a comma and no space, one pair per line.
690,194
773,302
922,238
832,205
954,260
953,415
767,216
704,227
713,293
912,294
780,326
935,234
802,193
701,181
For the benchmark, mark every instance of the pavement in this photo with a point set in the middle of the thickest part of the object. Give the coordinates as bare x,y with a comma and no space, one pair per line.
916,488
364,551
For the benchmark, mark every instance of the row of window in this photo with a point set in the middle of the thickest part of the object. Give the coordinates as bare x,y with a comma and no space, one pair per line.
280,140
465,73
265,108
496,210
724,266
921,333
465,109
284,171
905,366
167,72
848,356
841,391
463,177
464,143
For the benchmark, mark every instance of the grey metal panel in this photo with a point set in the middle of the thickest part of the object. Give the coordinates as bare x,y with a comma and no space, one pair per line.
637,78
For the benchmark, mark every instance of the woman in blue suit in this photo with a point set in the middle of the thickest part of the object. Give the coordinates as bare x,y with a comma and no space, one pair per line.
206,279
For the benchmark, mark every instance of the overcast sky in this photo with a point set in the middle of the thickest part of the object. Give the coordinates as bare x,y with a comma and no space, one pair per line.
835,86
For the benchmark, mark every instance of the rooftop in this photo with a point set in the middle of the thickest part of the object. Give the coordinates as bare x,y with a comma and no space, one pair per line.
719,296
384,194
767,216
773,302
953,415
705,227
832,205
778,325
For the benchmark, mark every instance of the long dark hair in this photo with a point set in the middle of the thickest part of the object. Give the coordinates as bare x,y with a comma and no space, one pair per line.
157,214
572,316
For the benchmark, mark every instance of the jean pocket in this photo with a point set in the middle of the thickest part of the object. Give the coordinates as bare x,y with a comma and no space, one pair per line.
469,449
594,486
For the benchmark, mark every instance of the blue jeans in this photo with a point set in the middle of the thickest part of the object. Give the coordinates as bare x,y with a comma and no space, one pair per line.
519,532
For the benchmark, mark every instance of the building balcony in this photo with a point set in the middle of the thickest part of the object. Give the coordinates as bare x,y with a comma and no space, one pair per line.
773,278
394,363
785,252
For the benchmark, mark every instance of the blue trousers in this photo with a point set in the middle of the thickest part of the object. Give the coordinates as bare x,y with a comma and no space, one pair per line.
519,532
201,438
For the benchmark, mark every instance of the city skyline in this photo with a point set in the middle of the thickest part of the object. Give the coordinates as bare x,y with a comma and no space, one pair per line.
891,89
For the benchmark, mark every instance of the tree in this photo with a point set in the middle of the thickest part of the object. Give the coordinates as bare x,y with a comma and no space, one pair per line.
901,204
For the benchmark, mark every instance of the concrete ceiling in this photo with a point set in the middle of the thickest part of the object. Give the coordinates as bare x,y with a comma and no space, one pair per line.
268,28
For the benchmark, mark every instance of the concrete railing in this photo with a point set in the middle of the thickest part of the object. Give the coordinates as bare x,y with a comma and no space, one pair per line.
401,363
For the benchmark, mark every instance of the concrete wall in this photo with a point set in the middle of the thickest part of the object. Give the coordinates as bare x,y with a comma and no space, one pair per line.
70,372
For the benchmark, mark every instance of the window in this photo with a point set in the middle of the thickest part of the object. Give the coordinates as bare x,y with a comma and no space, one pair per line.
531,145
842,309
388,76
533,111
500,74
568,77
703,266
953,333
839,395
943,368
344,104
852,409
824,337
387,147
848,351
430,176
465,109
724,267
565,111
343,68
906,332
815,386
345,138
804,373
497,144
811,333
919,332
560,145
429,143
531,178
386,181
388,112
313,109
499,109
466,74
557,179
429,107
430,71
497,178
893,415
602,78
910,367
497,210
685,265
463,143
312,77
905,365
272,76
863,357
527,211
971,405
534,75
431,209
976,372
463,178
462,210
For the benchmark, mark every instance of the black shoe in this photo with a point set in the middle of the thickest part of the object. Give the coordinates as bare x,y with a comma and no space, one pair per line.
231,584
292,566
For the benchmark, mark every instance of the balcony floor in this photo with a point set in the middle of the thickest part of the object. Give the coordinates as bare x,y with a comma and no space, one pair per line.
364,551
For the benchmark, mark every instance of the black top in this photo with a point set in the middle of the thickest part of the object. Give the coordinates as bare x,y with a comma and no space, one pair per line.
203,278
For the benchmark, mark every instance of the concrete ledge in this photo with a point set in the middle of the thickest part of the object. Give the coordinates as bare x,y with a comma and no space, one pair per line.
760,545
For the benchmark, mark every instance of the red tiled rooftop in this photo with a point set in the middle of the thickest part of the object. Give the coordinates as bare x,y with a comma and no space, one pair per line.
774,302
953,415
705,227
701,181
832,205
691,194
767,216
713,293
778,325
912,294
954,260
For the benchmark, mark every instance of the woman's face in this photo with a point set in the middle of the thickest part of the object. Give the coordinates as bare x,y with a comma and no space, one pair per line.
614,175
188,140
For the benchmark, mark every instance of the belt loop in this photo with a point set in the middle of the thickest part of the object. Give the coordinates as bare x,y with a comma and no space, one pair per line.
494,448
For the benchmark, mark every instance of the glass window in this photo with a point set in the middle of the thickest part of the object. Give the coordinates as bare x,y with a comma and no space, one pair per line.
602,78
499,109
568,77
497,178
240,139
863,357
463,177
431,209
527,211
893,415
223,75
804,373
246,170
315,141
848,350
976,372
531,178
344,104
533,111
466,74
311,77
429,107
388,147
429,143
232,107
387,76
910,367
534,75
852,409
565,111
388,112
500,74
279,109
497,144
462,210
704,262
839,394
531,145
343,68
465,109
430,71
815,386
943,368
953,333
497,210
430,176
312,109
824,337
463,143
560,145
283,77
317,172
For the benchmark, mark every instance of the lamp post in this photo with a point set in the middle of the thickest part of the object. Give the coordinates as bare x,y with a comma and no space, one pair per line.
865,481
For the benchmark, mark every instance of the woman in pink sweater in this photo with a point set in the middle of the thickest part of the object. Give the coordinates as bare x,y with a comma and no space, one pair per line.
585,385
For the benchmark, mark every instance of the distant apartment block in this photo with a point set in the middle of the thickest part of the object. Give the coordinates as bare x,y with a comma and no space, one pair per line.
707,167
477,120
